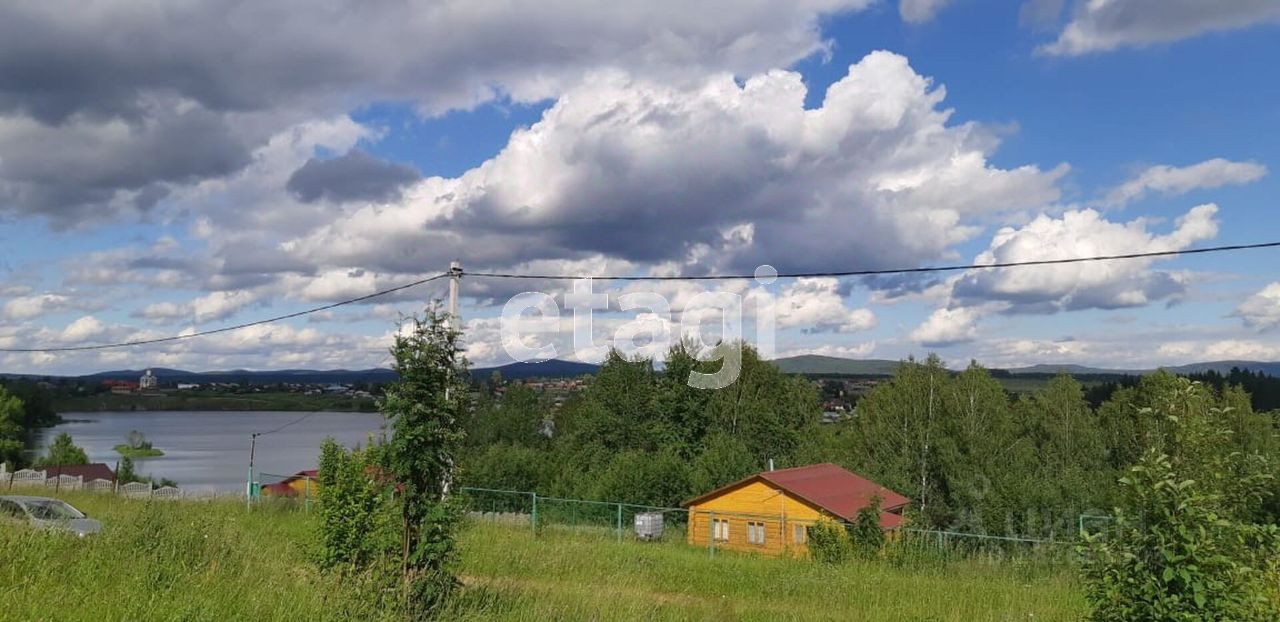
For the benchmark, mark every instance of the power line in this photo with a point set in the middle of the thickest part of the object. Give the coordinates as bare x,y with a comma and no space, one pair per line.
945,268
298,420
224,329
613,277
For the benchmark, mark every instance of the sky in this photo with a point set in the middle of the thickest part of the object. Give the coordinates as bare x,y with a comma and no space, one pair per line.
172,168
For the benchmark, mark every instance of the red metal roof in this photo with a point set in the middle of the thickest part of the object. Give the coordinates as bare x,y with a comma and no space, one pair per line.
830,488
90,472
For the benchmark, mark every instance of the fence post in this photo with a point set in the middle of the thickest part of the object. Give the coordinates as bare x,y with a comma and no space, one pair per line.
711,532
619,522
533,518
306,494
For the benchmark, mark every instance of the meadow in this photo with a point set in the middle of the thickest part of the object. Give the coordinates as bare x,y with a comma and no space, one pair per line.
213,560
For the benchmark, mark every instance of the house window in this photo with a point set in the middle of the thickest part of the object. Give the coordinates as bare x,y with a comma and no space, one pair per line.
755,533
720,530
800,534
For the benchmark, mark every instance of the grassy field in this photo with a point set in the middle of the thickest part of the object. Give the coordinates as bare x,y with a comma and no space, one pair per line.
210,560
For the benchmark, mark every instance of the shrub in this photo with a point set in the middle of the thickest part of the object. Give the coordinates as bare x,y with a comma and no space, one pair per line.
865,532
1169,556
829,542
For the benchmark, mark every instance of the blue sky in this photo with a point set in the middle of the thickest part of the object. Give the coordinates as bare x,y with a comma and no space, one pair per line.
584,138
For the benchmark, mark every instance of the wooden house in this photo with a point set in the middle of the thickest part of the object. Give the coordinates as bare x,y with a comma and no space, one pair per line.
771,512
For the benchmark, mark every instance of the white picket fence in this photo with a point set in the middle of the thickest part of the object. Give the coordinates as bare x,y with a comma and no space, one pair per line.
30,478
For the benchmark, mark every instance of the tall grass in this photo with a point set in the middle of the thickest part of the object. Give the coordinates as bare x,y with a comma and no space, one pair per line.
566,575
212,560
166,560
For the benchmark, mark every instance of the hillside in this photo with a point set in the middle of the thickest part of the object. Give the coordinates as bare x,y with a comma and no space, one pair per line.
543,369
813,364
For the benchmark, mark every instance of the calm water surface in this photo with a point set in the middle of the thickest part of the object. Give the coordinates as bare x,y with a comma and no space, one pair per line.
210,450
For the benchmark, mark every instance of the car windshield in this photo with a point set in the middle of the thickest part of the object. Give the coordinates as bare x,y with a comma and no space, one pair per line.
51,509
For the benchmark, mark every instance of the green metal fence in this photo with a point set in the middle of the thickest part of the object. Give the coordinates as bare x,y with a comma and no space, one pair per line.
542,513
616,520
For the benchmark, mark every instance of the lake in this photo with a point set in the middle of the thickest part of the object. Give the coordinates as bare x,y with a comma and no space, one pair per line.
210,450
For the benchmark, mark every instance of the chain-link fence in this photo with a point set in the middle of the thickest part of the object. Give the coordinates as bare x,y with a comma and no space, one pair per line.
719,530
600,518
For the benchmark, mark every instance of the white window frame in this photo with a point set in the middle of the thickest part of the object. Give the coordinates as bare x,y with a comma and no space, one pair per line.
720,529
800,534
755,533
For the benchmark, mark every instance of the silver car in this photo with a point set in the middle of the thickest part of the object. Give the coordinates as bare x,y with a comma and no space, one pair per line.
46,513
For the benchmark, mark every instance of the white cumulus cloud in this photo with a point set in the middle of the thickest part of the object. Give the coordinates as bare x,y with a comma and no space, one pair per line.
1262,310
1103,25
1171,180
1098,284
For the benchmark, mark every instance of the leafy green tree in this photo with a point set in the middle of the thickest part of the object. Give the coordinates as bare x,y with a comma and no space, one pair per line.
725,459
11,429
503,466
63,452
1182,546
658,478
424,408
897,430
1062,468
771,412
516,418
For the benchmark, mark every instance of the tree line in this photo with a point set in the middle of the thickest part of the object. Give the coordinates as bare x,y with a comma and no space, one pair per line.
970,455
24,407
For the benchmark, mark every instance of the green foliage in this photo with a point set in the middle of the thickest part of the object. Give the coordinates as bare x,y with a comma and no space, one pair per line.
1181,546
63,452
829,542
424,408
125,473
1170,556
11,417
865,533
355,514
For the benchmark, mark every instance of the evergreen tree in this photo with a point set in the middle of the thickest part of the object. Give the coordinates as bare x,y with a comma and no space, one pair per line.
63,452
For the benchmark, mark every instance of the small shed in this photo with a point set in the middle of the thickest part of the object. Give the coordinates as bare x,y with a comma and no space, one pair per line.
771,512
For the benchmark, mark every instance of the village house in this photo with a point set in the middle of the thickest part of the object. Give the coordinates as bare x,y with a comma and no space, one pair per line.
300,484
771,512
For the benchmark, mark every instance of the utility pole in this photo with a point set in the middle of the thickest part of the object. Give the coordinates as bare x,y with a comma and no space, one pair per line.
455,323
455,276
248,491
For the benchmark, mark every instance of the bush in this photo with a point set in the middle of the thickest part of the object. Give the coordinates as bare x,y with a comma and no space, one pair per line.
829,542
1169,556
865,532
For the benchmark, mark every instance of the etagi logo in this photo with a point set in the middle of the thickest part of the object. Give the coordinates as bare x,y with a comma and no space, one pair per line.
712,320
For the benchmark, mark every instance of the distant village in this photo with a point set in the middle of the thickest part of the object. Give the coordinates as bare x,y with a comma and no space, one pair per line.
839,395
150,384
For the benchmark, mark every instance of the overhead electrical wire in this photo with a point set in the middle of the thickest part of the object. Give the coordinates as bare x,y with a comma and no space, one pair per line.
616,277
224,329
950,268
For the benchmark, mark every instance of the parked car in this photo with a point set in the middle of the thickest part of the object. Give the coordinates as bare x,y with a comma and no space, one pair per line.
46,513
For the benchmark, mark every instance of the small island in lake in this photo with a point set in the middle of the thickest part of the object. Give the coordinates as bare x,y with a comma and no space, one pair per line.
137,446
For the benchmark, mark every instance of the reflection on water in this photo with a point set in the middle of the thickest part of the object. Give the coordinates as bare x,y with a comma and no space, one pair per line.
210,450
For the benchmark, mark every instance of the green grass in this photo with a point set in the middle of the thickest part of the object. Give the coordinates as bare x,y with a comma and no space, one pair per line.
137,452
210,560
